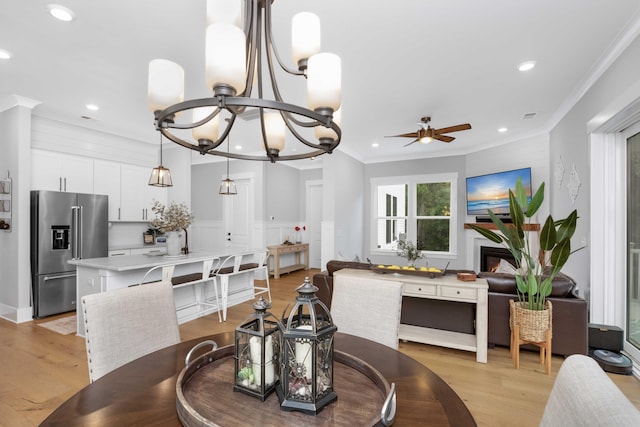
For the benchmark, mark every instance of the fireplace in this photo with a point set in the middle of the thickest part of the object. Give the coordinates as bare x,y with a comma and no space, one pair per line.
490,258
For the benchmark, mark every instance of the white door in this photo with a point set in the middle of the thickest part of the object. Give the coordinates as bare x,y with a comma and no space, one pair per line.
238,217
314,220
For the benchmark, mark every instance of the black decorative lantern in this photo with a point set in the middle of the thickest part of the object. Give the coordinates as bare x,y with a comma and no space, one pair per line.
306,382
257,352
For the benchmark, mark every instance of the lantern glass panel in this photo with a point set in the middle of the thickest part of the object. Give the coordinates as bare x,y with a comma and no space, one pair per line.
257,355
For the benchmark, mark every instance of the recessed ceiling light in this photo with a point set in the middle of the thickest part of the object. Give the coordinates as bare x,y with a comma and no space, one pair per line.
375,144
238,147
526,66
502,130
60,12
5,54
92,107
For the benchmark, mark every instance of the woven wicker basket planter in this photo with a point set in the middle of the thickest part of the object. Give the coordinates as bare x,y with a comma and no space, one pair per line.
533,324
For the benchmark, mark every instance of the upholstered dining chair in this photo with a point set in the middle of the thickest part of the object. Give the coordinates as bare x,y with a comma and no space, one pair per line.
125,324
368,308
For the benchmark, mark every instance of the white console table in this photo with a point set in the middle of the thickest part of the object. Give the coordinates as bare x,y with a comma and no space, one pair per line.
444,288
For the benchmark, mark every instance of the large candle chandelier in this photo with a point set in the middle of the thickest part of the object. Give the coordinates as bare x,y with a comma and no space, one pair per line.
239,45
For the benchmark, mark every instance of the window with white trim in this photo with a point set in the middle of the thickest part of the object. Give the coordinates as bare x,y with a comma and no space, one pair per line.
420,208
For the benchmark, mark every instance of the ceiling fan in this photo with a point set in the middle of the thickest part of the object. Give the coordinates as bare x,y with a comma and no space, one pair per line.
427,134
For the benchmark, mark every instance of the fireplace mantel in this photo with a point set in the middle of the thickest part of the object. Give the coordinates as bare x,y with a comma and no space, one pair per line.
492,226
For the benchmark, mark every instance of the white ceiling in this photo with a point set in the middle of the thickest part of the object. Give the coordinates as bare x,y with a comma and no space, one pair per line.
454,60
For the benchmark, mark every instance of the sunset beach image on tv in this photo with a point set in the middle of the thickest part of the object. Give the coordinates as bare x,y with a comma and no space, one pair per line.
492,191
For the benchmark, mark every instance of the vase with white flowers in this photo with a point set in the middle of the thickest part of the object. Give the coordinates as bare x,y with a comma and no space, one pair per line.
171,220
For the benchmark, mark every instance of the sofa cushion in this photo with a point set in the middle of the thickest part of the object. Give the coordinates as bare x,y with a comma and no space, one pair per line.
504,283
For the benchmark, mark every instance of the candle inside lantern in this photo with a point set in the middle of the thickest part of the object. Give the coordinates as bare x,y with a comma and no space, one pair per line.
303,353
256,359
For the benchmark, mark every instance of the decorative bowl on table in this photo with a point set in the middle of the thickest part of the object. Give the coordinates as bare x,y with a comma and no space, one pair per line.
430,272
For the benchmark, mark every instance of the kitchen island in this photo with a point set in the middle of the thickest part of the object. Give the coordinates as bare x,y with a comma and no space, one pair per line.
96,275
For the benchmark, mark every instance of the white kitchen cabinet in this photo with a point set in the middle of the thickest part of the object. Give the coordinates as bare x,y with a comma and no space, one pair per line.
106,180
132,182
130,195
61,172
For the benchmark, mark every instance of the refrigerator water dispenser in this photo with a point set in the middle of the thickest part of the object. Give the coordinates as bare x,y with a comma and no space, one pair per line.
59,237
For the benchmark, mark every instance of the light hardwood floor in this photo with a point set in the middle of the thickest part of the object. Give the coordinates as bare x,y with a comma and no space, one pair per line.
40,369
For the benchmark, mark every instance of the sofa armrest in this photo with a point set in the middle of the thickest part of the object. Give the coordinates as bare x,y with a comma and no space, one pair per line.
324,283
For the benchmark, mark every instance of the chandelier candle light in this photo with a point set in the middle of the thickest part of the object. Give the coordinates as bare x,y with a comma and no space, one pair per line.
239,46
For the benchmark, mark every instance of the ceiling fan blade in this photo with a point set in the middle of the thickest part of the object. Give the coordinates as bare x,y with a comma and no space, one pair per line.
443,138
404,135
456,128
415,140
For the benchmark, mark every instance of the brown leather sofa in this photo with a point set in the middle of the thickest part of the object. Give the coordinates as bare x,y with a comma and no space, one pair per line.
570,313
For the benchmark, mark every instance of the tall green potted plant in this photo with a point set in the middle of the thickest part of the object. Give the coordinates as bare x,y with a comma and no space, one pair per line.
536,271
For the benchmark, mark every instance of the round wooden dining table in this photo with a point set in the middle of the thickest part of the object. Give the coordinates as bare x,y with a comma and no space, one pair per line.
143,392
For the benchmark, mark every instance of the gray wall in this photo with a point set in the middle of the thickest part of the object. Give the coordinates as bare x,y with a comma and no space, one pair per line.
569,140
283,190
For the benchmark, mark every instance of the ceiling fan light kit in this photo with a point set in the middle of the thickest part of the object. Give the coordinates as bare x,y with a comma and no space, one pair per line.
239,45
426,134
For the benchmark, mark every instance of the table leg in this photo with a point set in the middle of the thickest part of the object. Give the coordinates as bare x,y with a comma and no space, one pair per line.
276,265
482,326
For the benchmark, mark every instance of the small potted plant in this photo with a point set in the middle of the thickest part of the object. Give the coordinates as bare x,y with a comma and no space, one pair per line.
535,270
406,249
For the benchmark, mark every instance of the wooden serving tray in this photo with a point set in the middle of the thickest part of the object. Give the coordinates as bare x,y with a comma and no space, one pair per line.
429,274
205,396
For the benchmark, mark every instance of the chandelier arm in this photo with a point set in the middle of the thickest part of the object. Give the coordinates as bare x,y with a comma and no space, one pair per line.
251,19
237,156
269,39
290,117
302,139
165,118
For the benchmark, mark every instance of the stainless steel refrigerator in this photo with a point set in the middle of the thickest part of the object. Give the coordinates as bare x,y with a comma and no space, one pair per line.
64,226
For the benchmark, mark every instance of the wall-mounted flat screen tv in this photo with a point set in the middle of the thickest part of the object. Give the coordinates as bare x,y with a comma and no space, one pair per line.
491,191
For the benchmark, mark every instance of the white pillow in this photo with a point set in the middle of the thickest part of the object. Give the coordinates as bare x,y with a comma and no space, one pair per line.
506,267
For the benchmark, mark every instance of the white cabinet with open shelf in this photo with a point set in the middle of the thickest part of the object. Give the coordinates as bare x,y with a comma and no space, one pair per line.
5,204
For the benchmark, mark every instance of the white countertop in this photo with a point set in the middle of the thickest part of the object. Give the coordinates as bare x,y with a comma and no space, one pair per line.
135,262
140,246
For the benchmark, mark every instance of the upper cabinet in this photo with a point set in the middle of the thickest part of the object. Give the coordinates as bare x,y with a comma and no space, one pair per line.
130,196
61,172
106,180
134,179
